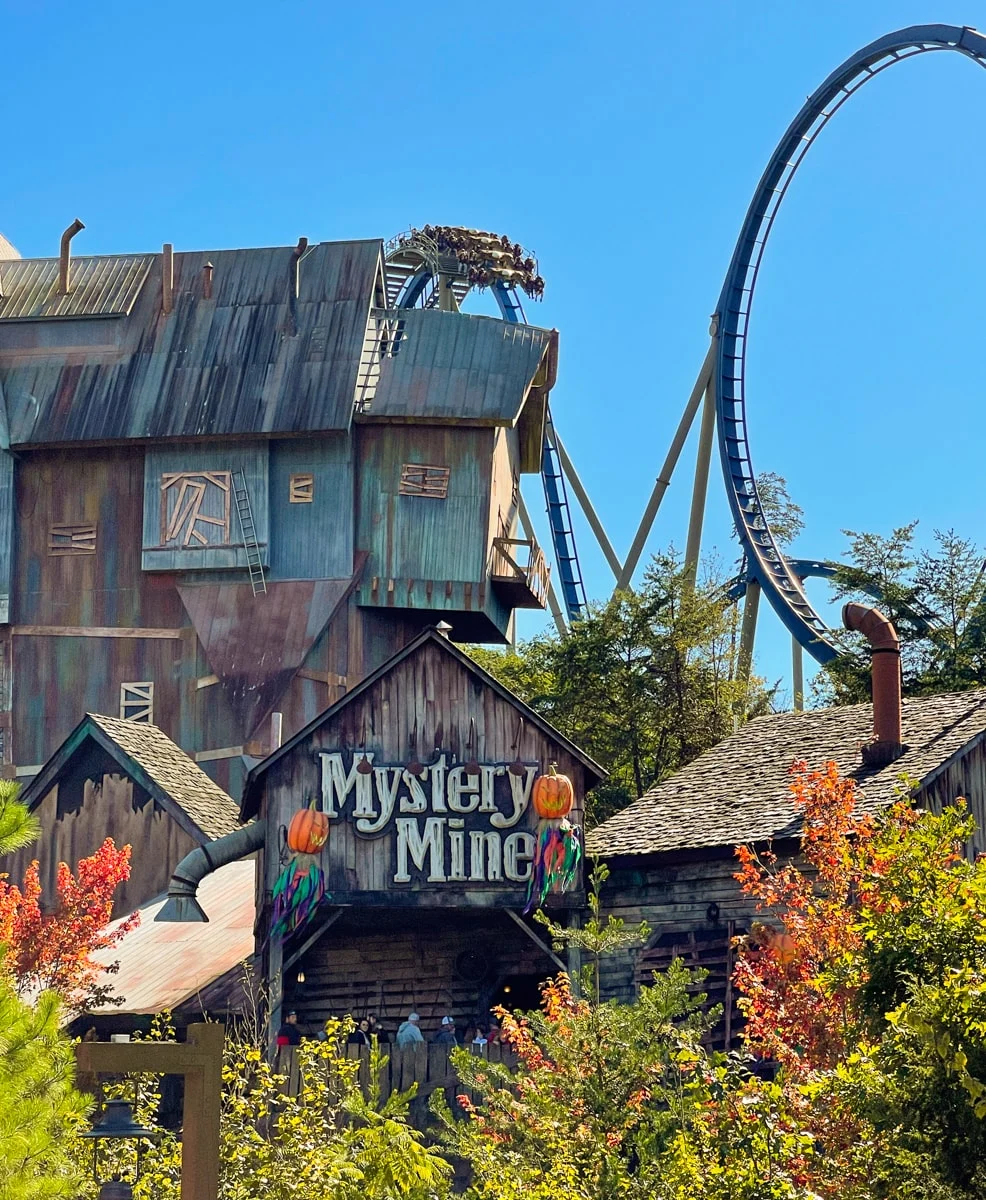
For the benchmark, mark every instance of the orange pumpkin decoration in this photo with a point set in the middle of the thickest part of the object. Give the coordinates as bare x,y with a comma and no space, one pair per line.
553,795
308,831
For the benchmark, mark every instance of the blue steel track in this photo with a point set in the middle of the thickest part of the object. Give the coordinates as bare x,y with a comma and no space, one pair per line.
778,577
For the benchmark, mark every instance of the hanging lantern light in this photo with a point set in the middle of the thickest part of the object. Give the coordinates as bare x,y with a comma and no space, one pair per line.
117,1123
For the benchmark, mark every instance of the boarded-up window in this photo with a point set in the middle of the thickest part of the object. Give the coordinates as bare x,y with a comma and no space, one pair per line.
137,702
420,480
710,949
302,489
195,508
72,539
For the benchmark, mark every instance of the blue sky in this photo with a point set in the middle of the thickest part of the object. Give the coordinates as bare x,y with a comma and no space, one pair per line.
622,144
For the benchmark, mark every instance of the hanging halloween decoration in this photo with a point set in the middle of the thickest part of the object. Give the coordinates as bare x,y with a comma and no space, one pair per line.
557,846
300,887
308,831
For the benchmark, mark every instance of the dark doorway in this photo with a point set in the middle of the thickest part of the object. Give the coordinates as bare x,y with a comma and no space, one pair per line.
519,992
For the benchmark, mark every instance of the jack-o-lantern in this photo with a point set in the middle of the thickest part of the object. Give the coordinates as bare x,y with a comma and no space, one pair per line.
553,795
308,831
558,845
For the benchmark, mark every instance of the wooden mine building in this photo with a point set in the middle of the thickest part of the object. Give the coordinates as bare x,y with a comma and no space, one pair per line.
234,482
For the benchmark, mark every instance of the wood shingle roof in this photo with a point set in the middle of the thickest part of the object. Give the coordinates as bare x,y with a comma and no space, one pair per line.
739,791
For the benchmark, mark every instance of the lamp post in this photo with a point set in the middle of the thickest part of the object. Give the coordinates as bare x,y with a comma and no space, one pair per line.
117,1123
200,1061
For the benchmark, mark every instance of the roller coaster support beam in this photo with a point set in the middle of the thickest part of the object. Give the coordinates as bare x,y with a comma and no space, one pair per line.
798,674
553,605
748,630
700,489
664,477
583,498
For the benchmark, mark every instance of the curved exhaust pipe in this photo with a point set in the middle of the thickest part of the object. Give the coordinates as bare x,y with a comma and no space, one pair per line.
64,256
885,645
182,903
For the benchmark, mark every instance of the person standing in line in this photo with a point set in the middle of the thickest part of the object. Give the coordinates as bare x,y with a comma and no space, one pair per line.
409,1034
446,1035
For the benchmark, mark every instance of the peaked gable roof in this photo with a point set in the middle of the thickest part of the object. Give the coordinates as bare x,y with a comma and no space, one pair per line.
153,761
739,791
251,798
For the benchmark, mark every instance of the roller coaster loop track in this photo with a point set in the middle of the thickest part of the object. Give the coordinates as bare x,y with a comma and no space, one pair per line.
778,577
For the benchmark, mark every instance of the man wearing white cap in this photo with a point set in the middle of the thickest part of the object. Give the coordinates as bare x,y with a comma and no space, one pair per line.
409,1033
446,1035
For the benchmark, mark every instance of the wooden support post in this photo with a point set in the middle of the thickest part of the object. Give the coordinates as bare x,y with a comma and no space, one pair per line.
700,488
798,674
200,1116
574,955
539,942
200,1061
275,992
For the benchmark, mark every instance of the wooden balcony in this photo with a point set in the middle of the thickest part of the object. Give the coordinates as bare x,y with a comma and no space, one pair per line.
519,572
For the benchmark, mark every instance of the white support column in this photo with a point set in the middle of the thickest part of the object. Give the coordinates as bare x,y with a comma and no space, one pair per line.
700,489
667,470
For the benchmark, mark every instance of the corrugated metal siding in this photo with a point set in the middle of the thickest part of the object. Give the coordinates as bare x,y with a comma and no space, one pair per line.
246,361
416,537
251,459
454,366
312,541
101,287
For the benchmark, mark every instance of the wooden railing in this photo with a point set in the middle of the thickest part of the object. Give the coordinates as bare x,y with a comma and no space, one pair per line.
521,560
429,1067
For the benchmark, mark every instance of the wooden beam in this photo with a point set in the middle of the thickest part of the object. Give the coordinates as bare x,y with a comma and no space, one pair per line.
200,1062
214,755
26,772
539,942
91,631
310,941
206,681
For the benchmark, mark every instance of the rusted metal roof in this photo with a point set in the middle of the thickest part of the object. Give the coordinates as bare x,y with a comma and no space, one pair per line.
164,964
459,367
252,358
106,286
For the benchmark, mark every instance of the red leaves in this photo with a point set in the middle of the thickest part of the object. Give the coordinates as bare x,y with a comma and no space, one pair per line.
49,945
798,987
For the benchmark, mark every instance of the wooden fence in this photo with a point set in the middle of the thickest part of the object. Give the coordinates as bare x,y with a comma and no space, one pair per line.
427,1066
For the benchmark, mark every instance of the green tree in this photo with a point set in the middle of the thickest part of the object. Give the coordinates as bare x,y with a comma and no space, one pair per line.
644,683
612,1101
319,1139
936,598
39,1105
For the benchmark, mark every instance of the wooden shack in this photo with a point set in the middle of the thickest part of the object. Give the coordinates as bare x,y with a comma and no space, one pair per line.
672,852
126,781
424,771
234,482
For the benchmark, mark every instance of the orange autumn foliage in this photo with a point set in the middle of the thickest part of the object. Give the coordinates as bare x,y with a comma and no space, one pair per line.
49,942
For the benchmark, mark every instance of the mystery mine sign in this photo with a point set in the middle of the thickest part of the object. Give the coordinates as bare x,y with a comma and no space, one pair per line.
448,826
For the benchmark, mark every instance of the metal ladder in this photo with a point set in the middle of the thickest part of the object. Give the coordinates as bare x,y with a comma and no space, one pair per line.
248,529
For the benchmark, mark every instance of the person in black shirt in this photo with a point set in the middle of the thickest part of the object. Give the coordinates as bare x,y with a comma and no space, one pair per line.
289,1034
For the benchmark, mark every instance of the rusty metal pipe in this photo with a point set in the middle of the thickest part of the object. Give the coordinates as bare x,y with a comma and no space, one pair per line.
207,281
65,257
887,705
296,256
